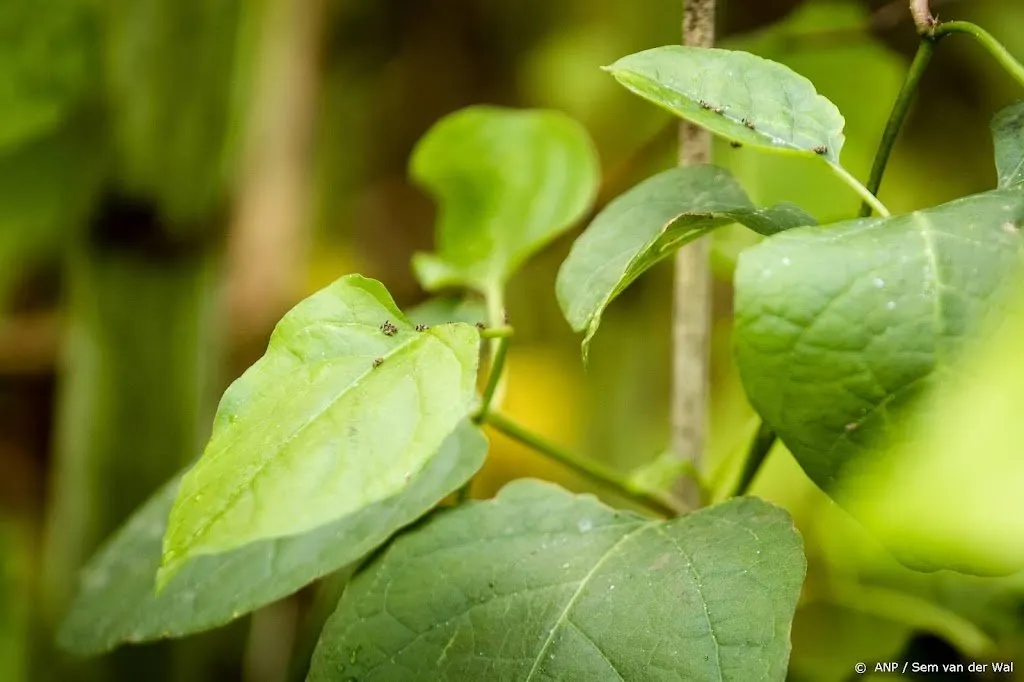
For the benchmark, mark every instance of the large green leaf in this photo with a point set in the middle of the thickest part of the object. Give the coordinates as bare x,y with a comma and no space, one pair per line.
737,95
839,328
539,584
1008,134
507,182
46,55
117,602
175,81
648,224
347,404
949,495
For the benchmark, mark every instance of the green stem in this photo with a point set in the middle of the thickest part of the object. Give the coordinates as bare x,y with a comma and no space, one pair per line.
762,444
493,379
860,189
994,47
502,332
589,468
900,108
496,319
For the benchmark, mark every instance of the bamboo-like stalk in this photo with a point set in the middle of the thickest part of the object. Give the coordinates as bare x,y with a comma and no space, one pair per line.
691,326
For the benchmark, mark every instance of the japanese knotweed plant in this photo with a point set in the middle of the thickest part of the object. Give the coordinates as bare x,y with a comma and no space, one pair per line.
337,449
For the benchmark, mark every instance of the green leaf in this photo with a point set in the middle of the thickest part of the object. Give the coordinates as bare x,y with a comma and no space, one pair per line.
45,58
506,182
1008,135
840,328
737,95
347,404
541,584
117,602
949,494
648,224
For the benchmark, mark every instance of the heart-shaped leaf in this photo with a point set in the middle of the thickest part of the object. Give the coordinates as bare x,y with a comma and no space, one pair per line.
506,182
839,328
1008,135
539,584
347,404
649,223
737,95
117,602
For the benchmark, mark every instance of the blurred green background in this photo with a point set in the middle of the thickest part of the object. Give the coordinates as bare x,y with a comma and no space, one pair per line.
175,174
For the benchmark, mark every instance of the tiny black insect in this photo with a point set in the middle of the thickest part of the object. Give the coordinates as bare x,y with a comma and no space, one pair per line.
481,325
377,362
735,145
748,123
704,105
422,327
820,149
388,328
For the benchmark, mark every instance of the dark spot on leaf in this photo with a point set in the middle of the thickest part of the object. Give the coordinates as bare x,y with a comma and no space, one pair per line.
735,145
388,328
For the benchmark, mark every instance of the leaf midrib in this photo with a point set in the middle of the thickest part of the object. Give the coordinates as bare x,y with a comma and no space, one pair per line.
563,617
355,383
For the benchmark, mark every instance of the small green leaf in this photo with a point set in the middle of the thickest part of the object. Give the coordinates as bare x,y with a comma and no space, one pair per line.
737,95
648,224
1008,134
347,404
506,182
840,328
539,584
117,602
45,58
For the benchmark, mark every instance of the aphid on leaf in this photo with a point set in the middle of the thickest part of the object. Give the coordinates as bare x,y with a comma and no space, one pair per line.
422,327
377,362
820,149
735,145
481,325
704,105
748,123
388,328
719,110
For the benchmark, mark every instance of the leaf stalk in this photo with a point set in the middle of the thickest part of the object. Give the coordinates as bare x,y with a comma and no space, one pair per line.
757,453
900,109
657,502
